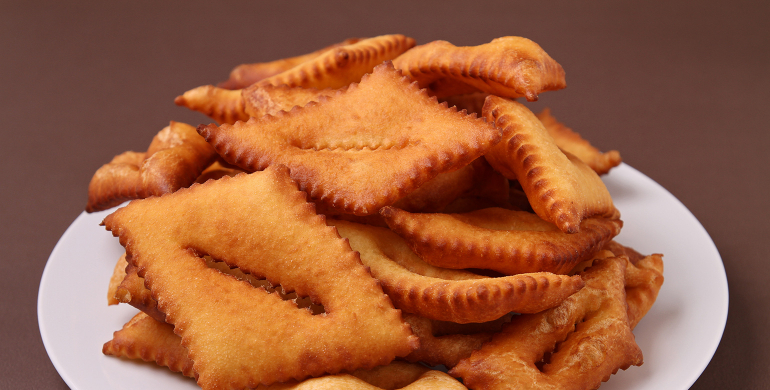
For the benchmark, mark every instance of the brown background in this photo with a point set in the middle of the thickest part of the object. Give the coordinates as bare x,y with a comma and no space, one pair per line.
681,89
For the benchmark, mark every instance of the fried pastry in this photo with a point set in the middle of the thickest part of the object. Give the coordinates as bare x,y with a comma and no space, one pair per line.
130,288
490,189
450,295
344,64
246,74
561,189
217,170
643,281
644,278
219,104
472,103
335,68
118,274
174,159
444,350
261,100
360,149
437,193
507,241
146,338
508,66
395,375
241,336
576,345
133,292
570,141
153,341
619,249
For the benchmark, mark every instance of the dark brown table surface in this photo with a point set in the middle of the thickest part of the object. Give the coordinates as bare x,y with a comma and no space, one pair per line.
681,89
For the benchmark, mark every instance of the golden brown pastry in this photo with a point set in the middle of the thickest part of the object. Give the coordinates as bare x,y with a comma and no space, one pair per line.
238,335
450,295
561,189
507,241
508,66
174,159
576,345
246,74
361,149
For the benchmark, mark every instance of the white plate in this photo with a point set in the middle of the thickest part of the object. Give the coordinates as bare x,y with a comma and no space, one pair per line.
678,336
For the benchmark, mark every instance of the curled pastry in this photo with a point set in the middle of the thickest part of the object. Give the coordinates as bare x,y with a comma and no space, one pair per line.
561,189
508,66
247,74
219,104
576,345
174,159
450,295
507,241
363,148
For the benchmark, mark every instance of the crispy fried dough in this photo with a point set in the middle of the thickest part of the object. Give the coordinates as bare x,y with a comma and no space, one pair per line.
175,158
395,375
217,170
443,328
219,104
576,345
507,241
246,74
508,66
619,249
431,380
143,337
490,189
360,149
153,341
236,334
644,278
437,193
335,68
118,274
570,141
643,281
261,100
472,103
447,349
450,295
489,184
343,65
561,188
133,292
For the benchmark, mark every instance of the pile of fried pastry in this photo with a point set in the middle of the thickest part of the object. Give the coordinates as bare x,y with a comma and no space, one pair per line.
376,214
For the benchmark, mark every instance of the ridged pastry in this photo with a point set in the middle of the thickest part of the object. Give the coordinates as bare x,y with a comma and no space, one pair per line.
219,104
507,241
175,158
507,66
363,148
238,335
344,64
450,295
576,345
561,189
153,341
246,74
